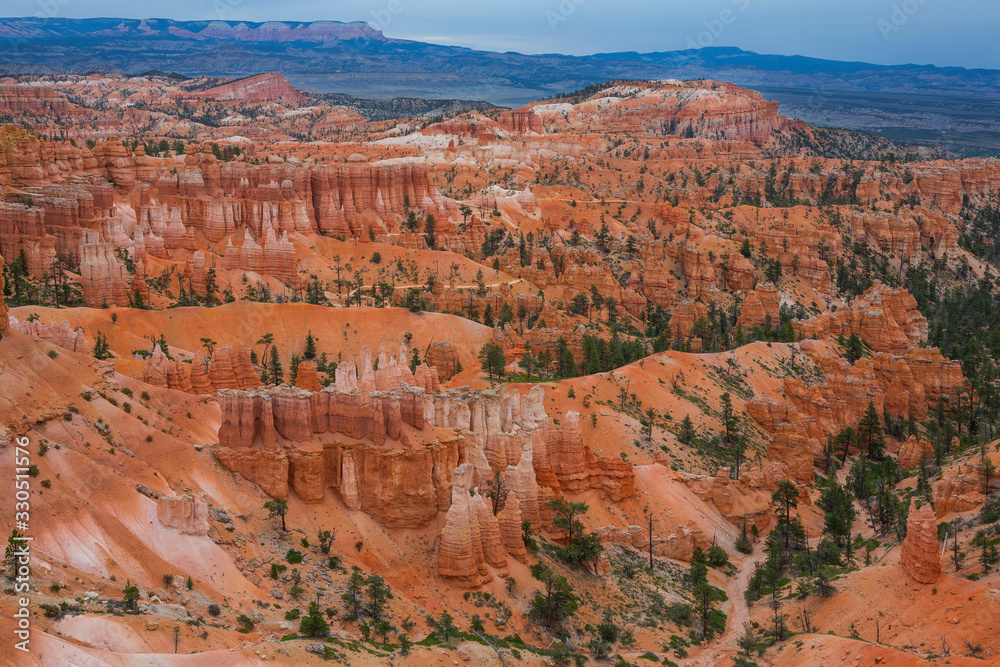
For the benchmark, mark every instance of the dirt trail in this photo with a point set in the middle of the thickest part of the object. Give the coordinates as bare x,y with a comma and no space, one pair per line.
736,609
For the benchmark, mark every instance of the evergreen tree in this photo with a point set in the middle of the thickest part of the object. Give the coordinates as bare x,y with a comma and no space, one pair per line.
839,513
14,543
784,499
379,594
277,507
581,546
870,433
732,439
506,315
445,627
313,624
101,348
686,435
130,595
556,601
429,230
854,349
274,371
492,359
310,351
353,595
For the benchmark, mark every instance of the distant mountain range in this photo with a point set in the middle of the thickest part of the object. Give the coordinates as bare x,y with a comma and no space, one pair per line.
952,106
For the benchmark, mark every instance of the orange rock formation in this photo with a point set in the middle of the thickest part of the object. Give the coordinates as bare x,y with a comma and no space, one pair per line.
921,549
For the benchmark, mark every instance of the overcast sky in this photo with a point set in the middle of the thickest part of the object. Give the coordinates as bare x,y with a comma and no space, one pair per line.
938,32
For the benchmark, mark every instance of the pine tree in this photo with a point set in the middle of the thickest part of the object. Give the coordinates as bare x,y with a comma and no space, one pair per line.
839,512
686,435
130,595
353,596
705,598
274,371
854,349
785,498
101,348
556,601
429,231
310,351
313,624
870,433
743,541
14,544
732,439
492,359
379,594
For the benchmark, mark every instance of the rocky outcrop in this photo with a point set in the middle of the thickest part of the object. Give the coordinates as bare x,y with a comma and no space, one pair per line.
57,333
913,452
306,378
511,533
443,356
885,319
921,550
160,371
390,476
232,368
138,287
962,489
104,278
263,87
188,514
228,368
685,315
679,544
744,499
520,121
461,556
381,448
275,258
761,308
576,467
808,414
33,99
702,109
350,199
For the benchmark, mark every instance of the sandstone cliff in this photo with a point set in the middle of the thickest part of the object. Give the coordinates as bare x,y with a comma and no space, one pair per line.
885,319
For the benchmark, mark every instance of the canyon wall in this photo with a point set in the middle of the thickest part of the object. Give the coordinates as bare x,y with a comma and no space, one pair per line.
404,454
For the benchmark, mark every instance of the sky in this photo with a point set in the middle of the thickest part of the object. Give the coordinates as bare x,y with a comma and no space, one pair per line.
937,32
